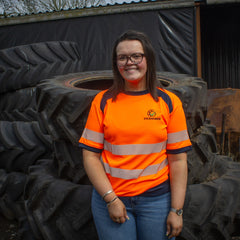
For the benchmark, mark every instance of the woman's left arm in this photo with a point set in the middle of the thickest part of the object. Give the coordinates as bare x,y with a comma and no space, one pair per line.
178,181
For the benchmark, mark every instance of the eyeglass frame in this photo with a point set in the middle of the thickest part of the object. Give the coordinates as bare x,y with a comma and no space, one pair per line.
129,58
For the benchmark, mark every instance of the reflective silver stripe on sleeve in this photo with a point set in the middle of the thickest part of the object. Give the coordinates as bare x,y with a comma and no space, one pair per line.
93,136
177,136
136,173
134,149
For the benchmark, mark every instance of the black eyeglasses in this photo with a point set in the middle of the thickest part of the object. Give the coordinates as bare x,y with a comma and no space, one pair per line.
135,58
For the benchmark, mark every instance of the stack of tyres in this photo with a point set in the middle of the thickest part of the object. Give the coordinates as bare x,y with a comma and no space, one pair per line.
206,214
24,141
44,104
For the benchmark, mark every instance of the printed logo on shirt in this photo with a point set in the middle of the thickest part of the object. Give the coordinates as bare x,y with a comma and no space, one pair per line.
151,115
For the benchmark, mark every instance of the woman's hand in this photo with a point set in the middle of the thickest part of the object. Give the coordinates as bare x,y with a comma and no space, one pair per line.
117,211
98,177
174,224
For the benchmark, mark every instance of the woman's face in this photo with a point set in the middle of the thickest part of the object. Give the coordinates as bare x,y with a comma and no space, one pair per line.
134,73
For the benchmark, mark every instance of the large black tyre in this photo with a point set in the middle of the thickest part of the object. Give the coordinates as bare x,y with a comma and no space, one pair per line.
22,144
193,93
19,105
68,161
63,102
24,66
11,194
56,208
63,105
211,210
203,152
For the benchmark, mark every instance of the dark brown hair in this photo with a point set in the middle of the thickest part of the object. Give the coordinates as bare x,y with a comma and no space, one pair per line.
151,79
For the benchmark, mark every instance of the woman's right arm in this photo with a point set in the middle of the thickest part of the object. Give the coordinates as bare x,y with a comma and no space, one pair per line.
99,179
96,172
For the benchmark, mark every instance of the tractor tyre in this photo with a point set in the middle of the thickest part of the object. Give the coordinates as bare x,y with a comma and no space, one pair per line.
22,144
211,209
24,66
11,194
19,105
56,208
63,102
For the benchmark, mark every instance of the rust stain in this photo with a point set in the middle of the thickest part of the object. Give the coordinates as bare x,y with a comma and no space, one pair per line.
224,101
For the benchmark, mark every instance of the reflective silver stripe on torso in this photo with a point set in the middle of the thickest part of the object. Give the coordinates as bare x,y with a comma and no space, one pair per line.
134,149
177,136
135,173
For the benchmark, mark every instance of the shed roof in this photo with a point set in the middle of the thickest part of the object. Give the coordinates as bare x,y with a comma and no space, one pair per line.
103,7
11,8
18,12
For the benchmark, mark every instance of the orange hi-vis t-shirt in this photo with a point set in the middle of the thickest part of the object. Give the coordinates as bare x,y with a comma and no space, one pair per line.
134,134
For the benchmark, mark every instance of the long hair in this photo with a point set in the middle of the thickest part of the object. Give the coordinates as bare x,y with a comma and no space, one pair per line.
151,78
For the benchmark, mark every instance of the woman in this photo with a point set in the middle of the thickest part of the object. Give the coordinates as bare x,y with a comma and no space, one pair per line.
134,149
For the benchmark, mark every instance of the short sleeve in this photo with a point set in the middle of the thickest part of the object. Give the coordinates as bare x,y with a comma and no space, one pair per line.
178,138
93,137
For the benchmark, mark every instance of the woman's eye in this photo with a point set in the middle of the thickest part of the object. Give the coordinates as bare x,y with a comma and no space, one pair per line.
121,58
136,56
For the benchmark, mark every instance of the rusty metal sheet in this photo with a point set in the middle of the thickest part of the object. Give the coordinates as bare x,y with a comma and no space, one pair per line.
224,101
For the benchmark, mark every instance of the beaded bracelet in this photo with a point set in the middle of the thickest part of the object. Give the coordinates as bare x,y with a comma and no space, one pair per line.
105,194
108,203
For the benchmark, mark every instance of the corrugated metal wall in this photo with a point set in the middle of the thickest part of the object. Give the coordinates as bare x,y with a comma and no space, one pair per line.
221,45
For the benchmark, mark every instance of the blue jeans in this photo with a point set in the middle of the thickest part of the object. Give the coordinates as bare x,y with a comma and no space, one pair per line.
148,216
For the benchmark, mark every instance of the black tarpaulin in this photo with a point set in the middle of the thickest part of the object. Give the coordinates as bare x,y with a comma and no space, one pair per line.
220,46
172,32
